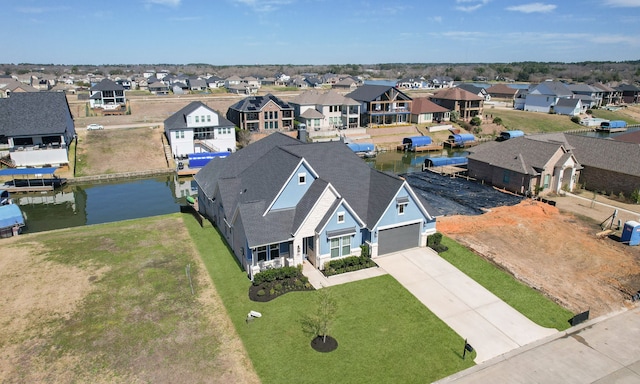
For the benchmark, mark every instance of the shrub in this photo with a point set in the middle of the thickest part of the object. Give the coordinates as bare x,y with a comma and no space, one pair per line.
476,121
497,120
575,119
271,275
261,292
439,248
635,196
278,287
434,239
364,250
272,292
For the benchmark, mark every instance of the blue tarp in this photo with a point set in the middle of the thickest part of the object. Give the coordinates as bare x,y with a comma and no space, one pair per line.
10,215
27,171
506,135
198,160
416,141
442,161
462,137
361,147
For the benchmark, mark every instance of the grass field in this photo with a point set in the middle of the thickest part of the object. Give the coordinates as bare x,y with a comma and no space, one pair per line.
532,122
533,304
385,335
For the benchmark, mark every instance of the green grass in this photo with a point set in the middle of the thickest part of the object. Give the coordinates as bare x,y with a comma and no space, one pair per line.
384,333
531,303
614,115
532,122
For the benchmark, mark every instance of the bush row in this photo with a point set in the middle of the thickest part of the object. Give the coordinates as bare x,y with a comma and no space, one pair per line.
347,264
271,275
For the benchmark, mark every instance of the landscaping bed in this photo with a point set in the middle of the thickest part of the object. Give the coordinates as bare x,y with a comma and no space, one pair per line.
348,264
269,284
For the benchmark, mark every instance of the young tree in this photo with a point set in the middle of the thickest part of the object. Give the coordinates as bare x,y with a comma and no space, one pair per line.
319,323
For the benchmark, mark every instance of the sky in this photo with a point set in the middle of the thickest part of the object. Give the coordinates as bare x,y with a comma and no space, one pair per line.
249,32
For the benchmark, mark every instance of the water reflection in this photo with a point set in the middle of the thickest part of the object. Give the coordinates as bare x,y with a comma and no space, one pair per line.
398,162
85,204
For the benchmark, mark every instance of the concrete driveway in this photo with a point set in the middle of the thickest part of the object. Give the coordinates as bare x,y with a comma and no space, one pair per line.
490,325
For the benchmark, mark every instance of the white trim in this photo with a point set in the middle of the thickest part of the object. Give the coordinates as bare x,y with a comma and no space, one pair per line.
348,208
296,169
402,224
328,187
393,202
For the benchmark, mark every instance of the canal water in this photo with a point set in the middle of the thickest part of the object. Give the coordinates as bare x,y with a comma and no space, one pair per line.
85,204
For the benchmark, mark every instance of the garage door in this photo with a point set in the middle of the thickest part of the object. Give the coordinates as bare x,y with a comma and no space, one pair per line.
398,238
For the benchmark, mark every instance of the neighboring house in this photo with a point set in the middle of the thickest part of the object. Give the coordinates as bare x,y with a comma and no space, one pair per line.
38,126
569,107
348,83
610,96
158,88
197,84
382,105
232,81
409,83
502,91
591,96
261,114
525,166
440,82
9,86
326,110
278,202
610,166
198,128
630,93
457,99
520,99
251,82
479,91
107,93
215,82
544,96
424,110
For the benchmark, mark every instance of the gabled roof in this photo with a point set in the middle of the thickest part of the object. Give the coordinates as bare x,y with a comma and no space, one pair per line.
311,113
256,103
252,177
521,154
315,97
370,92
603,87
628,88
568,103
501,89
179,119
424,105
471,88
107,85
456,93
583,88
612,155
554,88
34,113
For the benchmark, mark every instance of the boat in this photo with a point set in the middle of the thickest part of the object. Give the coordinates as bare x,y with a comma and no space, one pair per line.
12,219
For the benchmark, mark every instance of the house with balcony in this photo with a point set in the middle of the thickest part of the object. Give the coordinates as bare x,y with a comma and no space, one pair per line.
590,96
279,202
610,96
544,96
106,94
424,111
198,128
630,93
467,104
321,111
261,114
382,105
37,127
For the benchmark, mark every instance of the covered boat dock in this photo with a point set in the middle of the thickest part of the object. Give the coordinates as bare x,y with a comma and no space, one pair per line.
31,179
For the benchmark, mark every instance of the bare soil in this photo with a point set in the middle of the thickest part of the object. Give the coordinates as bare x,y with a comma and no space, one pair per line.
555,252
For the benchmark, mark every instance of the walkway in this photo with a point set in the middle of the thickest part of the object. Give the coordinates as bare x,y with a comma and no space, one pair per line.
603,350
319,280
490,325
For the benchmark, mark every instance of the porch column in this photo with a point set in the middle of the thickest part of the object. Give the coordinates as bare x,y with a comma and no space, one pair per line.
297,251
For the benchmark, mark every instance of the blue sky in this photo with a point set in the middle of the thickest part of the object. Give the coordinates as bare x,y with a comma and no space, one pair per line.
234,32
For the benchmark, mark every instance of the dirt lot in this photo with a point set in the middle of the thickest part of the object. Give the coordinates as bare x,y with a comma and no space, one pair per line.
555,251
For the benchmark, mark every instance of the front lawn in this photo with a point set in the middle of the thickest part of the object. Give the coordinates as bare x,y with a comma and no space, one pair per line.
384,334
532,122
531,303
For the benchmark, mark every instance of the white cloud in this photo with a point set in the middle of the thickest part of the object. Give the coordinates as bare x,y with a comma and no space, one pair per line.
623,3
171,3
470,5
533,8
263,5
616,39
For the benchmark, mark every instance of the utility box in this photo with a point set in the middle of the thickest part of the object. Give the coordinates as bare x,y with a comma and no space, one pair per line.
631,233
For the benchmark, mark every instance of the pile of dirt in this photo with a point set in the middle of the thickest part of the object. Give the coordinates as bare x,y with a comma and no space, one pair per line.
553,252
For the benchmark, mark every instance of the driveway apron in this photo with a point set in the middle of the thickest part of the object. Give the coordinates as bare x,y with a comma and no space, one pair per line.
490,325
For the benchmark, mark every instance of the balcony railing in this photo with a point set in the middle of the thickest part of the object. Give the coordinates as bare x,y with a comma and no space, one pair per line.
39,147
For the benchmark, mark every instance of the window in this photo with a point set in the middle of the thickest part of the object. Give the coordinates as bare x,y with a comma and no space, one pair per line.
274,251
266,115
208,118
197,119
401,208
261,253
266,125
340,246
546,181
506,176
340,217
275,115
275,125
202,118
302,178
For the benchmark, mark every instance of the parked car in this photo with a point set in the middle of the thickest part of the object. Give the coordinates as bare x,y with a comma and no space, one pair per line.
92,127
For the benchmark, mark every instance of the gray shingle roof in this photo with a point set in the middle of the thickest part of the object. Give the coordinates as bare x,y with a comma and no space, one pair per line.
251,178
616,156
107,85
34,113
370,92
179,119
256,103
521,154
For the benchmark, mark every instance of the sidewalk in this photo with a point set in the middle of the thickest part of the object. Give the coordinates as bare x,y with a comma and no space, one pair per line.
319,280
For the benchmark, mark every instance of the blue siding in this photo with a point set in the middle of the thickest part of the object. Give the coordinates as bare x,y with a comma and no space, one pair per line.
293,191
411,212
332,225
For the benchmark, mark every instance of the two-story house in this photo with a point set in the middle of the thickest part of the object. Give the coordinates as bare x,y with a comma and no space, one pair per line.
198,128
261,114
326,110
107,94
467,104
382,105
279,201
38,127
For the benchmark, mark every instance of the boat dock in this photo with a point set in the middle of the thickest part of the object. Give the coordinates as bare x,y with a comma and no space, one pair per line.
32,179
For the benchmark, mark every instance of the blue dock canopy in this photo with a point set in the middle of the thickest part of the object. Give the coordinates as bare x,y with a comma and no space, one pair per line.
27,171
10,215
442,161
506,135
416,141
199,160
462,138
362,147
